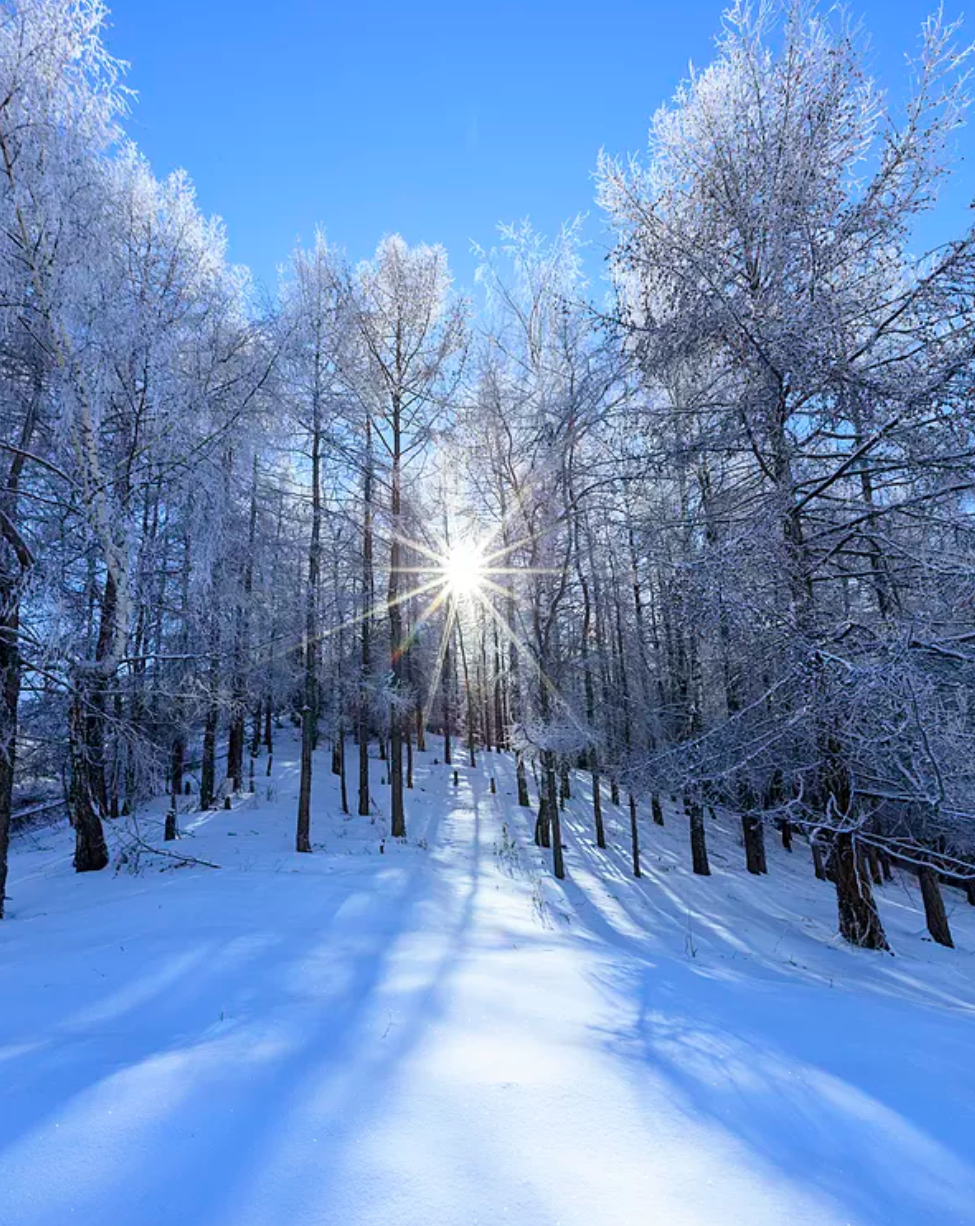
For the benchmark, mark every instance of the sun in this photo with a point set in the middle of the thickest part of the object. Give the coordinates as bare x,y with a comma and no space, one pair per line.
464,568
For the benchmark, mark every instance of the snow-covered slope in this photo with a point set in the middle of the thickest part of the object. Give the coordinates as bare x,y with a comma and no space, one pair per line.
441,1035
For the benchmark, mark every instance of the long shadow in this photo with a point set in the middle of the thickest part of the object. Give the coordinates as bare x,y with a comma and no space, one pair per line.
258,1096
844,1095
347,1083
841,1091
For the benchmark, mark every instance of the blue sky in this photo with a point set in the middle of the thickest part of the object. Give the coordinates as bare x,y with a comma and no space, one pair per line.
434,119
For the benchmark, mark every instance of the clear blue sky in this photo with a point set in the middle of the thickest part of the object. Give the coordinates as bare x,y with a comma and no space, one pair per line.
433,119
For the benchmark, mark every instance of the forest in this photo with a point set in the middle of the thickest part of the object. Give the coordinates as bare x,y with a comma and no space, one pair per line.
497,751
702,532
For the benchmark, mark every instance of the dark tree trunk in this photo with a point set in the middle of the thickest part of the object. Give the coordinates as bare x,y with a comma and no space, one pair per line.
858,916
543,822
235,751
656,809
365,658
699,847
551,788
397,643
597,804
342,780
500,732
91,853
524,800
94,688
634,836
175,784
237,732
470,698
16,561
934,906
208,769
309,713
753,831
10,682
303,828
255,749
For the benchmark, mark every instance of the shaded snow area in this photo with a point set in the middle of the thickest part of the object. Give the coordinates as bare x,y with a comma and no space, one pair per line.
442,1035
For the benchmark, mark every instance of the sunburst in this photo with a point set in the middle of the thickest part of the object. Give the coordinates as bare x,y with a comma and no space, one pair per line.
465,569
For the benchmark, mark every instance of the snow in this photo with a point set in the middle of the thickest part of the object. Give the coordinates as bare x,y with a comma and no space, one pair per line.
441,1034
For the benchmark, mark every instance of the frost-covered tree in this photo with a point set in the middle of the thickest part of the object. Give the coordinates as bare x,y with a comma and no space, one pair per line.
413,330
814,368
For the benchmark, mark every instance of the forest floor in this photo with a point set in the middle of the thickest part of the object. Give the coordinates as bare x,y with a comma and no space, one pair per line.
442,1035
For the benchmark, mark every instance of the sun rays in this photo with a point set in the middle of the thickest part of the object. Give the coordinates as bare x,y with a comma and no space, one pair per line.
464,569
459,583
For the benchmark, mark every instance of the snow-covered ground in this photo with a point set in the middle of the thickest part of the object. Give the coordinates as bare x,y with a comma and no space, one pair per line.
441,1035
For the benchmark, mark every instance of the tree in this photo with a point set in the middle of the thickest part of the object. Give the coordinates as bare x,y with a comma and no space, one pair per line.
414,334
811,362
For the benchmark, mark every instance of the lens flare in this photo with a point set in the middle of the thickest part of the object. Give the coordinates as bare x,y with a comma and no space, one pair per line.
464,568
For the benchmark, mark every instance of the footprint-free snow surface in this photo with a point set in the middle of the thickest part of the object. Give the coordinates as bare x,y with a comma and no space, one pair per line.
439,1034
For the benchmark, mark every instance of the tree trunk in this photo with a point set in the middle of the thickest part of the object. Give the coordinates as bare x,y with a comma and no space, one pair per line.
235,749
447,688
342,780
597,804
91,853
303,829
753,831
524,799
365,659
176,782
11,581
208,769
634,836
859,920
309,714
699,848
396,642
934,906
500,732
10,681
470,697
543,822
551,788
255,749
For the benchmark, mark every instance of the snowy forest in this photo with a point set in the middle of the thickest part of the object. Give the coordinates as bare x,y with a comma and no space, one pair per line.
686,551
713,537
